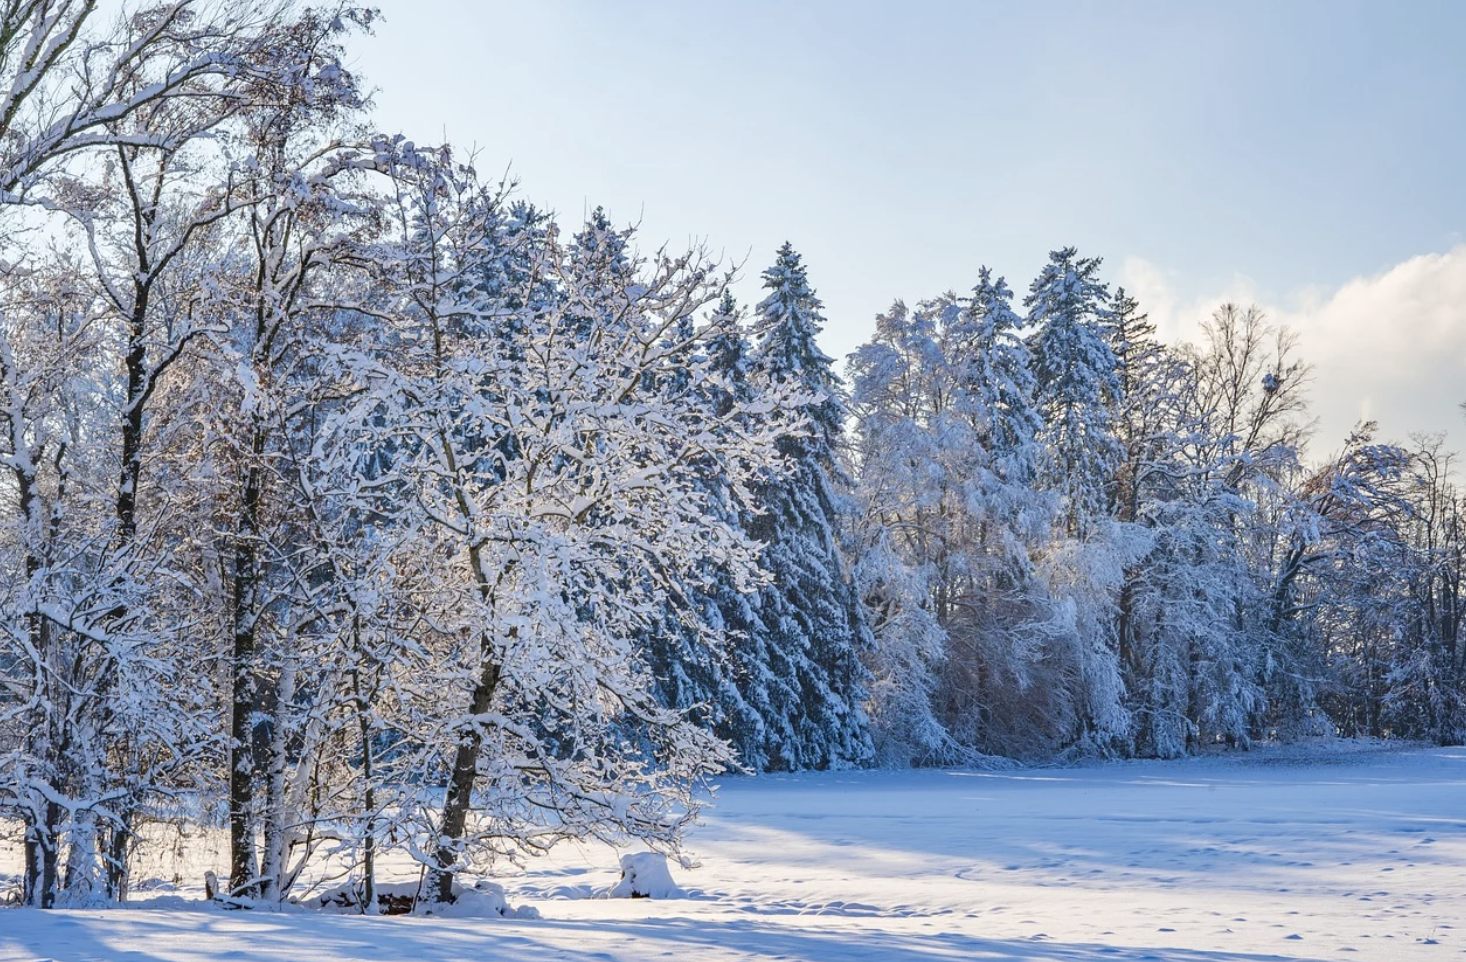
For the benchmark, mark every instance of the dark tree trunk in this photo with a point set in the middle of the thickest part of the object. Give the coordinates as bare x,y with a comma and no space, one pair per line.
132,425
121,836
369,792
243,870
32,862
39,886
460,790
48,846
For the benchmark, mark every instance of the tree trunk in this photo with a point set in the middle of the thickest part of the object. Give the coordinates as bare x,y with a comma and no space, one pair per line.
242,868
30,881
369,792
48,854
276,819
132,424
117,869
369,844
439,885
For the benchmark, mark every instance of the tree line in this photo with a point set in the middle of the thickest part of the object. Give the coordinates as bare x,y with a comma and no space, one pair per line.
1085,541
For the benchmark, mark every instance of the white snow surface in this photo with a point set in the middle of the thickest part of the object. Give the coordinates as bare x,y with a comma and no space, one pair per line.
1334,852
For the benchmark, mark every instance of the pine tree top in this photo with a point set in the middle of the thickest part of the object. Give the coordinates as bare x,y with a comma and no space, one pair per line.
787,322
992,303
1068,290
727,344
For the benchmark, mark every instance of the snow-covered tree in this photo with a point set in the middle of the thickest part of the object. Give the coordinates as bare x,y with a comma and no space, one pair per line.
1425,688
808,680
1078,385
946,429
560,482
113,150
902,554
696,662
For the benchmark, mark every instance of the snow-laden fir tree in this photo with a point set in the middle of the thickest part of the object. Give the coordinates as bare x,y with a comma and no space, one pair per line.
1078,385
810,622
997,380
697,661
1079,393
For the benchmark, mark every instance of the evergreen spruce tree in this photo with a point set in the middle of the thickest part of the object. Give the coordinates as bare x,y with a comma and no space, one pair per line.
810,621
1140,367
601,260
715,668
1079,392
998,379
1078,384
1150,659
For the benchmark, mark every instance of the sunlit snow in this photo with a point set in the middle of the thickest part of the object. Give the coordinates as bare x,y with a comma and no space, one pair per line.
1323,852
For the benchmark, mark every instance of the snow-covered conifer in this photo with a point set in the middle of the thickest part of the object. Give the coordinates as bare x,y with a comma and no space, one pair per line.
1077,382
810,619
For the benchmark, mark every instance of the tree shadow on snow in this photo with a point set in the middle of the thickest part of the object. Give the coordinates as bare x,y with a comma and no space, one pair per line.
103,936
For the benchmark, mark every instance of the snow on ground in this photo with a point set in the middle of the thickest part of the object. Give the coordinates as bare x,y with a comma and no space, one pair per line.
1336,853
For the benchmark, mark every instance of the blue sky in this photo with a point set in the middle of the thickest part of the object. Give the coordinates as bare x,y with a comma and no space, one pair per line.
1286,153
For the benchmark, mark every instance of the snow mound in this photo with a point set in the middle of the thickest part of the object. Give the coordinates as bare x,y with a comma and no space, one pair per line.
644,875
485,900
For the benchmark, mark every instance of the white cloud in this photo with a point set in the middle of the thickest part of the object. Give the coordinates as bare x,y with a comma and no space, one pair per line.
1176,321
1390,347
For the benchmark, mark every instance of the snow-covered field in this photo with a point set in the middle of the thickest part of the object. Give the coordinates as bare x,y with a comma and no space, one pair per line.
1333,853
